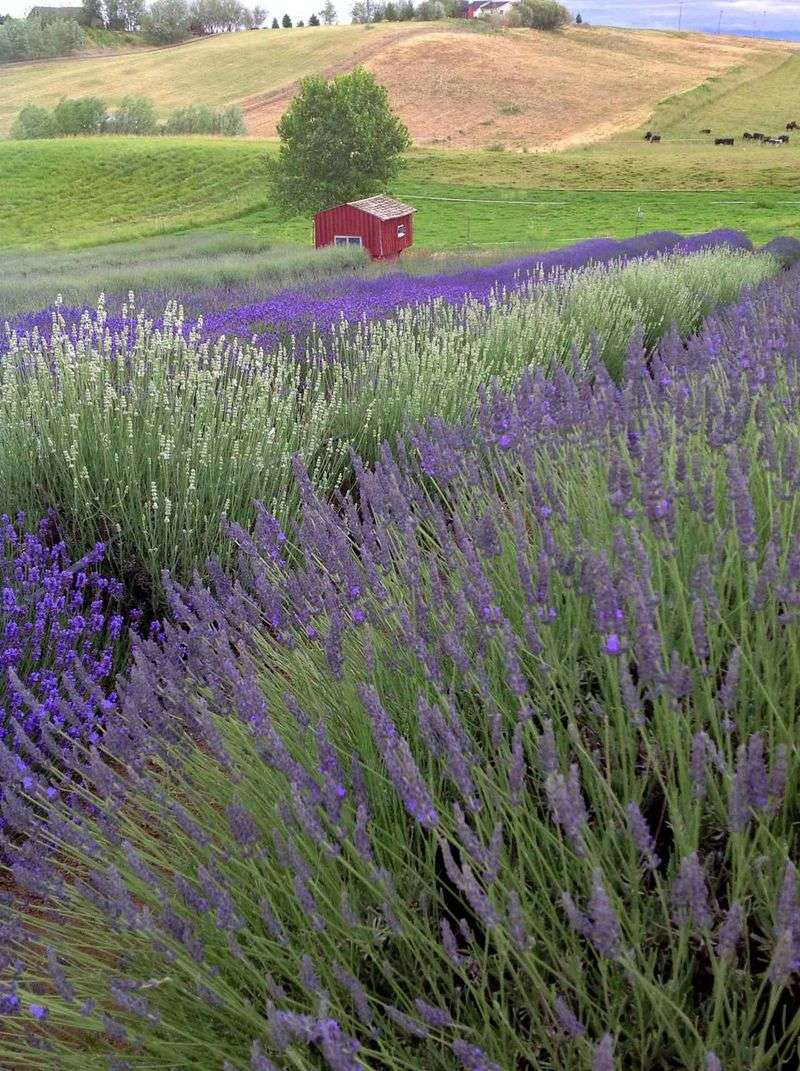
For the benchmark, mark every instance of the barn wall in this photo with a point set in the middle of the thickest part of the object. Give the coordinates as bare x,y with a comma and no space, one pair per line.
378,236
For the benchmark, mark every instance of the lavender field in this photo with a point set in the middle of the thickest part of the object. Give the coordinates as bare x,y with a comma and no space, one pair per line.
409,677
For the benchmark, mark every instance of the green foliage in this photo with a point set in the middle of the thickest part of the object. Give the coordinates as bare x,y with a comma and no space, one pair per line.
196,432
222,16
328,13
200,119
81,115
313,19
135,115
339,141
275,24
167,22
25,39
540,15
286,22
215,268
34,122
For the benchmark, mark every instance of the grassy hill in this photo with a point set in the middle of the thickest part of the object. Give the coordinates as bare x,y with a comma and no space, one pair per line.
455,85
81,192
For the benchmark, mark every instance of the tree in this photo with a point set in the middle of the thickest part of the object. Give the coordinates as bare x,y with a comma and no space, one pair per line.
135,115
275,24
82,115
93,12
313,20
542,14
301,23
286,22
257,17
579,19
340,141
328,13
34,122
167,22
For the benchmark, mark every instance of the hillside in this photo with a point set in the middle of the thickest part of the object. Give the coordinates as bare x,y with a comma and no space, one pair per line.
84,191
483,88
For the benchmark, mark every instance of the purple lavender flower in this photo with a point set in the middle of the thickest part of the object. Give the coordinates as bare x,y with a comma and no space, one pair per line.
472,1058
690,894
399,762
603,1056
730,932
567,1020
568,808
642,837
713,1062
601,925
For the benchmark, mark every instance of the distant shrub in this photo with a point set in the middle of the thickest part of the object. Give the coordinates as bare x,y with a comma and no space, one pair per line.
23,39
81,115
230,122
33,122
200,119
135,115
786,250
540,15
167,22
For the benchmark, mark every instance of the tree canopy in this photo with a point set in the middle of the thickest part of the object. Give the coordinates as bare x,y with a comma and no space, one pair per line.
340,141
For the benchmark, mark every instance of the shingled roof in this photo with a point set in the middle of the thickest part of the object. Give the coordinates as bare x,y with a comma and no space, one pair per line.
382,207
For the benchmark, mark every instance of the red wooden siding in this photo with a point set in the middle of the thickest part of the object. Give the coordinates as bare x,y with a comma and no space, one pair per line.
379,236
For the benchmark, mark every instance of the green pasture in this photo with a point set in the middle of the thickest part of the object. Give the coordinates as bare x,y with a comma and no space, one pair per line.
76,193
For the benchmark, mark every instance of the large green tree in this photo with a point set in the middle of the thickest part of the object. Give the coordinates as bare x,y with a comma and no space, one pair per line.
340,140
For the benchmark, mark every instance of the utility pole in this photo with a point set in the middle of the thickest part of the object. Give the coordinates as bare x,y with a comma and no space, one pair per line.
680,16
719,24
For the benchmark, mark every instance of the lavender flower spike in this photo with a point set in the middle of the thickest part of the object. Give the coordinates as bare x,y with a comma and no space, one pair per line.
399,762
690,894
603,1056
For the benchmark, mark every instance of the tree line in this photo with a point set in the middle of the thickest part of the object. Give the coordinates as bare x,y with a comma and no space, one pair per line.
77,116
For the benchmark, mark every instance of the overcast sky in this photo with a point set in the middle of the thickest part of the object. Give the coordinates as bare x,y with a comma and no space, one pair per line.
741,16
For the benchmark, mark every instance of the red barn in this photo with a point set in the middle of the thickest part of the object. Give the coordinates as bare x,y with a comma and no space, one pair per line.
380,224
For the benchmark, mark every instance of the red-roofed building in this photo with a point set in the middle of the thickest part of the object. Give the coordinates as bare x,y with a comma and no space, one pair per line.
380,224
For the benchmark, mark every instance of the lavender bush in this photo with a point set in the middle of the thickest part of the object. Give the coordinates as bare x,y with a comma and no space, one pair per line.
316,308
503,775
142,436
60,623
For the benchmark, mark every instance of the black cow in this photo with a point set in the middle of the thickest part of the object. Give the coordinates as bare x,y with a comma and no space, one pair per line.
784,139
655,138
724,141
705,131
773,141
791,126
747,136
648,136
759,137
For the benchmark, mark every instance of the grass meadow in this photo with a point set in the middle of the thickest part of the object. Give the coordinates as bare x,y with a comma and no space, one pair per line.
84,192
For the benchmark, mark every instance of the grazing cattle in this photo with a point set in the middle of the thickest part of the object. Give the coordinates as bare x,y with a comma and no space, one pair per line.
724,141
747,136
784,139
648,136
791,126
705,131
773,141
655,138
759,137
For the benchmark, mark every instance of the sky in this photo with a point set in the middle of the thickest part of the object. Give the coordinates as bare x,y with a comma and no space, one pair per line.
772,17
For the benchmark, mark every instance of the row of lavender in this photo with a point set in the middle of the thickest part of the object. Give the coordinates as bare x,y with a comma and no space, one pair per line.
317,309
501,774
142,438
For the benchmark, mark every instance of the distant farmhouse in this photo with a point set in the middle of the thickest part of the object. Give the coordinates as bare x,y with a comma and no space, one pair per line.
485,8
75,14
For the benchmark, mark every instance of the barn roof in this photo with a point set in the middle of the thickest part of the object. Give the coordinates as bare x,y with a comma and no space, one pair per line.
382,207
